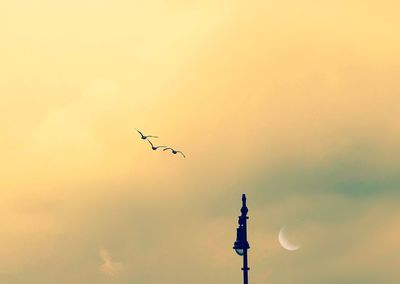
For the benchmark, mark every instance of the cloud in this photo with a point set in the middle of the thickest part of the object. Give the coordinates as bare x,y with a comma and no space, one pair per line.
300,113
109,267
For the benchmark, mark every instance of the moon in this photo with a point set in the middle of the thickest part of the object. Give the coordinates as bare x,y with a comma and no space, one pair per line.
283,240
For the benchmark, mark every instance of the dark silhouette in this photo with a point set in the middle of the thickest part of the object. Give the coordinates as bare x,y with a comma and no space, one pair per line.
155,147
241,245
144,137
174,151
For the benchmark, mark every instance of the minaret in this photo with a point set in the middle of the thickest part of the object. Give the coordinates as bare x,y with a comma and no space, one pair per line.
241,245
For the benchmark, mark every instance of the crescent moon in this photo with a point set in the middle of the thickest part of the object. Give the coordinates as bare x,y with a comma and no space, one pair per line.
283,240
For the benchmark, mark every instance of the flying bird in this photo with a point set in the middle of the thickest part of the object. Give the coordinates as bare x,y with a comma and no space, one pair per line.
144,137
155,147
174,151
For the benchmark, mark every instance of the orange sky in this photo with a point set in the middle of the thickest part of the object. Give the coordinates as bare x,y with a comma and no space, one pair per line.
293,102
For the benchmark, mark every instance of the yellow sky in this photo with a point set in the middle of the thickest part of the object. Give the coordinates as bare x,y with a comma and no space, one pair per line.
301,96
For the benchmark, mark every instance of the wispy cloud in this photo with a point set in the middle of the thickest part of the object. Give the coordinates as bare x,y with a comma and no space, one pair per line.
109,267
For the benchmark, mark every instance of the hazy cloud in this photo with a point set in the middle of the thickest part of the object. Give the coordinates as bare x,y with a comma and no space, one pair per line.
293,102
109,267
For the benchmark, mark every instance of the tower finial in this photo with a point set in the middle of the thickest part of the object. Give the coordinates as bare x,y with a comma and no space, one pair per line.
244,209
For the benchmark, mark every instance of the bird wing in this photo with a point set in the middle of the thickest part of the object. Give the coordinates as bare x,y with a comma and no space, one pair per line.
140,133
181,153
167,149
152,136
150,143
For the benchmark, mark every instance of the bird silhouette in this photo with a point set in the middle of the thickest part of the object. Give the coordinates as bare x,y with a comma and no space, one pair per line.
144,137
174,151
155,147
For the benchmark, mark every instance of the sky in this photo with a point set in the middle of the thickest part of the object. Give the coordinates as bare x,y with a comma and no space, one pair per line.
294,103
